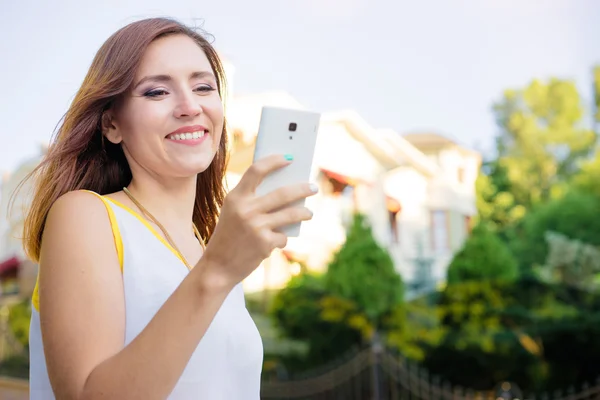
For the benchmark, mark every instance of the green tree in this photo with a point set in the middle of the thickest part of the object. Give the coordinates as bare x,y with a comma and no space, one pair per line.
575,216
484,257
587,178
541,141
495,202
540,146
363,272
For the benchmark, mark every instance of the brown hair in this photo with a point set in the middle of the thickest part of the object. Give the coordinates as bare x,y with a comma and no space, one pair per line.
80,158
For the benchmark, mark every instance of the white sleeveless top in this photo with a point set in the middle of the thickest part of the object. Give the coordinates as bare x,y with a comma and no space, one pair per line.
227,363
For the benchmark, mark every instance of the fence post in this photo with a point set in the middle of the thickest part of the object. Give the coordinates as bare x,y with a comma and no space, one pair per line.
376,349
508,391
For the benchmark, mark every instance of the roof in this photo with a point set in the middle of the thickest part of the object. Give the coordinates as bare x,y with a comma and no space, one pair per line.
431,141
428,139
365,133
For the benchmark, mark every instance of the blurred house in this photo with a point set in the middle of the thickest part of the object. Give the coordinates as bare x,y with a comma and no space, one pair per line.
437,206
418,192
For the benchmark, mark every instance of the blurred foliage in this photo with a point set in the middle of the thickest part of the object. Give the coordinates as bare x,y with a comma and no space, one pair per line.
540,147
16,363
541,139
575,215
571,262
414,328
477,337
16,366
483,257
302,311
513,331
19,318
495,201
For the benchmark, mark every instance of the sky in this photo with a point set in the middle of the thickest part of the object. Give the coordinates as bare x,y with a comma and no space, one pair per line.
427,65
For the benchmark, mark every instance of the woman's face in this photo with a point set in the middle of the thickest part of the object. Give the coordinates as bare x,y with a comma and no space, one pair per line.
170,122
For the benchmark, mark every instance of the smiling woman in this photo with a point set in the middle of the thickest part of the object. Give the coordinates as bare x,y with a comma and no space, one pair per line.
139,293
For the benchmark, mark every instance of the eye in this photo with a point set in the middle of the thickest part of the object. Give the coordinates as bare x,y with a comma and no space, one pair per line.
204,88
156,93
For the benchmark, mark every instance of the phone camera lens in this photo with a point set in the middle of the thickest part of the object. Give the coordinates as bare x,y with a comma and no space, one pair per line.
292,127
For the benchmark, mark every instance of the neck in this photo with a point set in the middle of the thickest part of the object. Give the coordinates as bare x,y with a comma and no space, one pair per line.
170,202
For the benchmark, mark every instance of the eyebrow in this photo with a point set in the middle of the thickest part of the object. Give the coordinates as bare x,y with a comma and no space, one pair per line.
167,78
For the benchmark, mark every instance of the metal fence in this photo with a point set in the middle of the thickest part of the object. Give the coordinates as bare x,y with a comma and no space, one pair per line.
378,374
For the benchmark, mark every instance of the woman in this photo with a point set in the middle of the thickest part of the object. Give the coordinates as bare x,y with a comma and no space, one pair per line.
130,302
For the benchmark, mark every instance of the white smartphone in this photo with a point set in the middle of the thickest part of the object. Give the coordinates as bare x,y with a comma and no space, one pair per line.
287,132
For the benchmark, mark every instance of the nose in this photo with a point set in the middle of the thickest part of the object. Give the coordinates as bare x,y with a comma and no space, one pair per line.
187,106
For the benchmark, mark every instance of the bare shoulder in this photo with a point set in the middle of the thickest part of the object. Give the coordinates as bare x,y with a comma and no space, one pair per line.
78,235
77,207
78,229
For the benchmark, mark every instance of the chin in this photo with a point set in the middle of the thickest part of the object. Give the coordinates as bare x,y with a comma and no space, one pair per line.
199,165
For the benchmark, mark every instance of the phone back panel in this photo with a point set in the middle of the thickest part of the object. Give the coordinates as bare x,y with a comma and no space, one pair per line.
286,131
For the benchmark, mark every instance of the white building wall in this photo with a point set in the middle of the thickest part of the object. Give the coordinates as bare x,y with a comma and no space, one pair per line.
13,210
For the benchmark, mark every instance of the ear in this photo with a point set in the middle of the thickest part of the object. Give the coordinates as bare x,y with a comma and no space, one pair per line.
109,128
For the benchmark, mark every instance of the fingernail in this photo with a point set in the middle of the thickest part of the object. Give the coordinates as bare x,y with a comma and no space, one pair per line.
288,157
314,188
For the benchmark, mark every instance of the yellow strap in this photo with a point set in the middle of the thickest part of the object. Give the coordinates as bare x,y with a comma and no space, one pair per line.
147,225
35,298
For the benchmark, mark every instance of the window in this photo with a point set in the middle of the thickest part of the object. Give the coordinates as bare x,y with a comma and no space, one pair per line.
336,183
341,188
439,230
394,208
348,199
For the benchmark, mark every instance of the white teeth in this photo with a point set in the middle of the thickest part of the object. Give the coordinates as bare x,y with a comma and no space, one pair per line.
186,136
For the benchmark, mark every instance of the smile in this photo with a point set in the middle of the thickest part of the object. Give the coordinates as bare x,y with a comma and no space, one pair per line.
187,136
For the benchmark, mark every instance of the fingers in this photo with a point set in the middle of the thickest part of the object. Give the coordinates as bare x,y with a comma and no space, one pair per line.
259,170
284,196
287,216
278,240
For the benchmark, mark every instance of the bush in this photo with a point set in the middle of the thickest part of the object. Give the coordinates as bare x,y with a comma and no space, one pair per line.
538,335
575,216
483,257
19,318
299,311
